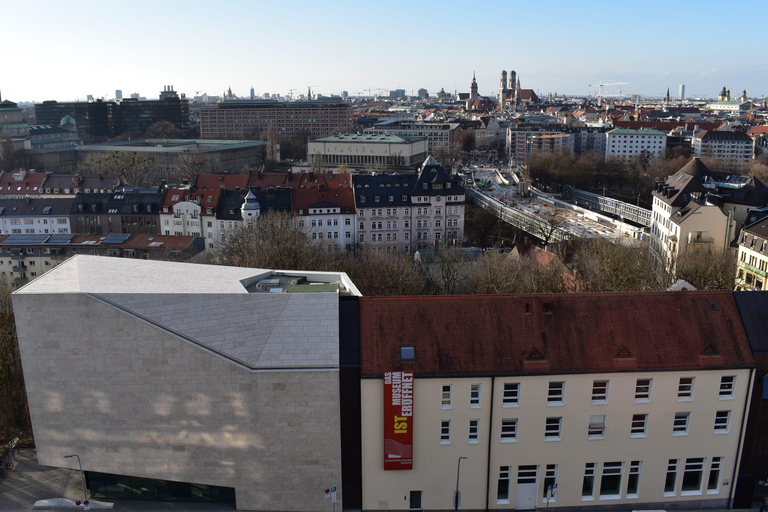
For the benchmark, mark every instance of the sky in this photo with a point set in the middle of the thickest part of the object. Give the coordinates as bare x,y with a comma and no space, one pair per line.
56,50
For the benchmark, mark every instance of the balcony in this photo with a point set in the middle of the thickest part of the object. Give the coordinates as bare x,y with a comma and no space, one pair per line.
20,280
699,240
19,268
18,256
755,270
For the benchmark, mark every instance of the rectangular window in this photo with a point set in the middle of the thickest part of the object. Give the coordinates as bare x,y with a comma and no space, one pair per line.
680,426
446,397
599,391
415,501
445,432
727,385
550,481
643,390
473,431
633,480
692,476
526,474
669,482
639,425
555,393
509,430
552,429
685,389
713,484
588,486
610,481
596,428
722,422
502,492
474,396
511,396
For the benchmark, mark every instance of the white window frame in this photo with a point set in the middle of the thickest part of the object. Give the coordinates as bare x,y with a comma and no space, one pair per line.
634,430
556,393
693,465
611,468
550,475
681,423
596,428
508,433
673,466
685,389
474,395
715,468
636,470
589,474
727,387
504,476
643,390
474,431
722,426
446,396
600,391
445,432
553,428
511,395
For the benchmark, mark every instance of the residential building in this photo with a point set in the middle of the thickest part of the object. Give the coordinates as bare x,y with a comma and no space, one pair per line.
190,212
136,213
626,144
438,134
618,401
734,149
247,119
26,257
405,212
751,259
69,185
324,204
368,151
189,379
21,183
35,215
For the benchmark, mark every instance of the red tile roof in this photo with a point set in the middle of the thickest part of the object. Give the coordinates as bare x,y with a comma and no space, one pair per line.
266,180
575,333
314,188
215,181
28,184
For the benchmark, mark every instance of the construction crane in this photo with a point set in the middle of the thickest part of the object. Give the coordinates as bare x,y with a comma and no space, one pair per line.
601,85
290,93
309,91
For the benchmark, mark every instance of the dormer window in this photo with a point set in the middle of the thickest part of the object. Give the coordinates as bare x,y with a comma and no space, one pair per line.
424,185
376,199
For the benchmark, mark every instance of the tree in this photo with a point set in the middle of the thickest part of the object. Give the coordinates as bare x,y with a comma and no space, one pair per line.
135,167
706,270
163,130
192,164
396,161
14,418
604,265
496,273
547,226
380,273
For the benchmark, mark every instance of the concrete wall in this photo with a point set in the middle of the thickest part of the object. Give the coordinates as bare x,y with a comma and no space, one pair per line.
132,398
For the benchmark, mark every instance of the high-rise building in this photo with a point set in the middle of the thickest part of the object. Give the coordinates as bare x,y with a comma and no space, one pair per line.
682,92
118,94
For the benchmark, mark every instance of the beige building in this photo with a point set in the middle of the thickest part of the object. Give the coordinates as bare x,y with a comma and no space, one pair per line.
622,401
369,151
752,260
177,380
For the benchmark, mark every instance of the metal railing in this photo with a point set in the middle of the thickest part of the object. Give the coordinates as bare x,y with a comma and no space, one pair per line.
624,210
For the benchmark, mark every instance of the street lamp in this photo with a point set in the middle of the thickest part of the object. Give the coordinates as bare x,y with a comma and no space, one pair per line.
82,478
456,495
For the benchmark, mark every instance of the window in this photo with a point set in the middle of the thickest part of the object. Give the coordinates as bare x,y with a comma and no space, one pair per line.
550,483
473,431
639,425
511,396
643,390
727,385
692,476
680,426
446,397
722,421
599,391
407,353
610,481
474,396
669,482
714,476
633,480
596,428
552,429
502,491
588,486
685,389
555,394
445,432
415,502
509,430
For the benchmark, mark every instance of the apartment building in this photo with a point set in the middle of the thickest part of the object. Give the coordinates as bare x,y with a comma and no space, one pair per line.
35,215
524,141
324,204
247,119
438,134
626,144
751,259
618,401
734,149
190,212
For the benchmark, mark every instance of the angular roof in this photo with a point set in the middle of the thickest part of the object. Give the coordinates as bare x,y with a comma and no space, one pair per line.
315,189
216,181
553,333
384,190
36,206
265,180
82,181
723,135
118,203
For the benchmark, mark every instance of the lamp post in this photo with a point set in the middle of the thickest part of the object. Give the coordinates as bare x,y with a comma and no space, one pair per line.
82,478
456,495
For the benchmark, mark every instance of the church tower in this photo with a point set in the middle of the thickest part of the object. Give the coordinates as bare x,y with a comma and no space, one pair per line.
473,88
512,82
517,93
503,90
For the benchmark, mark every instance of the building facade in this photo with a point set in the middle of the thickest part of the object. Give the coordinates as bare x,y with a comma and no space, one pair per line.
734,149
751,259
369,151
626,144
437,134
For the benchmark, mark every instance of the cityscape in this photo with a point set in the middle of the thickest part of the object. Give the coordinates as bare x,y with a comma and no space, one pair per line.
409,257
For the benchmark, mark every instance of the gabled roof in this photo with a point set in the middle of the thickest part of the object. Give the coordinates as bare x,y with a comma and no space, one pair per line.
36,206
216,181
389,189
82,182
118,203
571,333
21,182
229,205
265,180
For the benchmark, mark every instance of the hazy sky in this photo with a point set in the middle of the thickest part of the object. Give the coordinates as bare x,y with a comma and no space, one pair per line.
61,50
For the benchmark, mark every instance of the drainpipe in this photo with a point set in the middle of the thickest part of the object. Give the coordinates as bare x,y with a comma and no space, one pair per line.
490,442
742,433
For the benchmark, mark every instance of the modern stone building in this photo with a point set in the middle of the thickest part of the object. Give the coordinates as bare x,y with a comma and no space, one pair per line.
187,379
369,151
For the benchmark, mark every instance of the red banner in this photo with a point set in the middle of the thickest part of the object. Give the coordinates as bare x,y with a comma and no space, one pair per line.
398,420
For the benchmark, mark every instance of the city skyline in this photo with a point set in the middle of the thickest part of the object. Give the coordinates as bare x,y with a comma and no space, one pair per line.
65,52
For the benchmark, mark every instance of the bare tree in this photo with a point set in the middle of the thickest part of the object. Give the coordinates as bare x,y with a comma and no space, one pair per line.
163,130
706,270
380,273
13,398
548,226
612,266
192,164
135,167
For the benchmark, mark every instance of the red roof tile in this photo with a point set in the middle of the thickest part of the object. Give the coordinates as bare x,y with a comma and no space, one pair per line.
575,333
215,181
